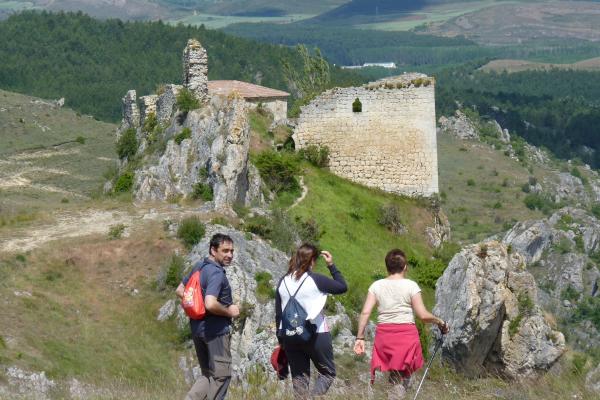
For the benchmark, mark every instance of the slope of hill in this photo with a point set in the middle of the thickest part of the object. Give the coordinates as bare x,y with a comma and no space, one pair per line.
592,64
92,63
50,157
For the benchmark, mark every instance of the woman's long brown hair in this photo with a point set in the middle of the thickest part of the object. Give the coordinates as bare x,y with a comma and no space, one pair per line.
302,259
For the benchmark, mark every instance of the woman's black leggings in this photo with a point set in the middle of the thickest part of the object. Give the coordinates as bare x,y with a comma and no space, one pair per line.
319,350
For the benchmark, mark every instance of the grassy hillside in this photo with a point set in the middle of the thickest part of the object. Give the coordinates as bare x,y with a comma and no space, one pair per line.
50,157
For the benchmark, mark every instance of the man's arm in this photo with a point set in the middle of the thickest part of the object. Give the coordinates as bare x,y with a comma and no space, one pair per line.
214,307
179,291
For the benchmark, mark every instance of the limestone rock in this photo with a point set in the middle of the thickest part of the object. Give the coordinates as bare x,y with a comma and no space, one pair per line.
459,125
530,239
440,232
490,303
592,380
30,385
216,155
195,69
131,114
166,311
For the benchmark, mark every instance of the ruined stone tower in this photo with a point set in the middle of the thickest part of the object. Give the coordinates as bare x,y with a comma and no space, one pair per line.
131,114
195,69
381,135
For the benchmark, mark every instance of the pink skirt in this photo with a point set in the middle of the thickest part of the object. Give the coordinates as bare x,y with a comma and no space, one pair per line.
396,348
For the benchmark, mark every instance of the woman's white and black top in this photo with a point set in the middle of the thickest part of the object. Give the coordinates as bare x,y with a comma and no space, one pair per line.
311,296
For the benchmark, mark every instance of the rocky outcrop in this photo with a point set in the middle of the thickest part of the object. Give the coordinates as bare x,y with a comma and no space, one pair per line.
195,69
560,253
592,380
490,303
440,232
459,126
215,154
131,113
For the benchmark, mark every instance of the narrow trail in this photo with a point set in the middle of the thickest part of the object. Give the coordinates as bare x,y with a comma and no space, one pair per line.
302,196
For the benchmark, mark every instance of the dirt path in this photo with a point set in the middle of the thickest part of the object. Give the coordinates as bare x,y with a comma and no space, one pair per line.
302,196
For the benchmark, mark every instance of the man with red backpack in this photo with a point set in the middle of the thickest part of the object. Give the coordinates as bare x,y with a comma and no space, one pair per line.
212,333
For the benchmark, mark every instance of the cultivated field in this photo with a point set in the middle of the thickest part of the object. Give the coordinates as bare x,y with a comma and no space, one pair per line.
592,64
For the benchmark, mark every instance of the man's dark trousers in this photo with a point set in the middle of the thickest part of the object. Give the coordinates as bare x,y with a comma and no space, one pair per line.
214,356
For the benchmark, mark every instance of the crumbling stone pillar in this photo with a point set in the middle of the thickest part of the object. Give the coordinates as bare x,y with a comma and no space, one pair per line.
131,113
148,106
195,69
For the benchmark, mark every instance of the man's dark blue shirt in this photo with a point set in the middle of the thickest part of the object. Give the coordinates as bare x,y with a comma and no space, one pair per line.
214,282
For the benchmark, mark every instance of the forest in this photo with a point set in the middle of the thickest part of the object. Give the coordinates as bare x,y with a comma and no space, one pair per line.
557,109
92,63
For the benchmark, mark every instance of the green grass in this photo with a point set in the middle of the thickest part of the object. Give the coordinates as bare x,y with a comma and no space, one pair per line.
44,152
348,214
481,201
79,321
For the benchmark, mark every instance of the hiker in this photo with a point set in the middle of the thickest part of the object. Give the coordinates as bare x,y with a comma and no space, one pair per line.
396,348
310,291
211,335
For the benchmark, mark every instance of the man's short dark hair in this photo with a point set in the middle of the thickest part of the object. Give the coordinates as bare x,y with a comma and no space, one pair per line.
217,240
395,261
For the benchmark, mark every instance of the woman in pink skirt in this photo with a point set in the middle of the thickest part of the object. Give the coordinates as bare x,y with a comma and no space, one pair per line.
397,348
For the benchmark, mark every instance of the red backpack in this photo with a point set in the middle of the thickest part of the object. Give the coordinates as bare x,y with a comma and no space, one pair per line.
193,301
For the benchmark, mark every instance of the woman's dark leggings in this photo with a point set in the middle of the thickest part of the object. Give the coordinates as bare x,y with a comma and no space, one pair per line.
319,350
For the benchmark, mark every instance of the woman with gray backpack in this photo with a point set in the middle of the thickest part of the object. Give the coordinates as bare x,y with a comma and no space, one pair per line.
302,329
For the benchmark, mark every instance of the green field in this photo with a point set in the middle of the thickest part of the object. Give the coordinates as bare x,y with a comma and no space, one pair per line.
430,14
213,21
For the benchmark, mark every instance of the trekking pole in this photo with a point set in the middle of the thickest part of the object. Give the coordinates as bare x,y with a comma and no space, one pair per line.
438,344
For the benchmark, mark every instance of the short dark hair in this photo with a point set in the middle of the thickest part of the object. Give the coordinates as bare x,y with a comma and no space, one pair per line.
217,240
395,261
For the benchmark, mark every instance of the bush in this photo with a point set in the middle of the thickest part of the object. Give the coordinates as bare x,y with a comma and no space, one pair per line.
150,123
116,231
259,225
174,272
570,294
389,216
80,139
535,201
446,251
588,309
186,133
316,155
278,170
309,230
564,246
124,182
264,289
356,105
187,101
202,191
470,182
127,144
425,272
526,188
577,173
596,210
190,231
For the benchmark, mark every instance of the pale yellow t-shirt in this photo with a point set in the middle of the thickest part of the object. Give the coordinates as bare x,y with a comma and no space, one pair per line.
394,300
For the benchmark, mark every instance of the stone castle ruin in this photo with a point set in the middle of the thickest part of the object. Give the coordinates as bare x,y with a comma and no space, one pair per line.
381,135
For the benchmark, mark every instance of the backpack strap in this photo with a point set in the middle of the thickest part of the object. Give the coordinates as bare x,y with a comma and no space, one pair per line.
297,290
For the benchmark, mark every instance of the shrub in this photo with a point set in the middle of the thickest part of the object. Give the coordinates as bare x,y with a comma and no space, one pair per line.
470,182
497,205
219,221
174,271
316,155
127,144
278,170
259,225
532,181
578,363
116,231
186,133
564,246
526,188
483,251
535,201
309,230
425,272
389,216
577,173
446,251
150,123
124,182
187,101
596,210
202,191
283,233
80,139
20,258
570,294
264,289
588,309
190,231
356,105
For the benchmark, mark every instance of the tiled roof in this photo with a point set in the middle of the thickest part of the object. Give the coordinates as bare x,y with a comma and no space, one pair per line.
245,89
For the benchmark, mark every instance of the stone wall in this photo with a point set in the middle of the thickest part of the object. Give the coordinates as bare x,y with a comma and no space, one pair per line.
391,144
277,107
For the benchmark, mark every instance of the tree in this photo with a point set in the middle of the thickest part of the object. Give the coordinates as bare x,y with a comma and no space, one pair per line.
315,77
